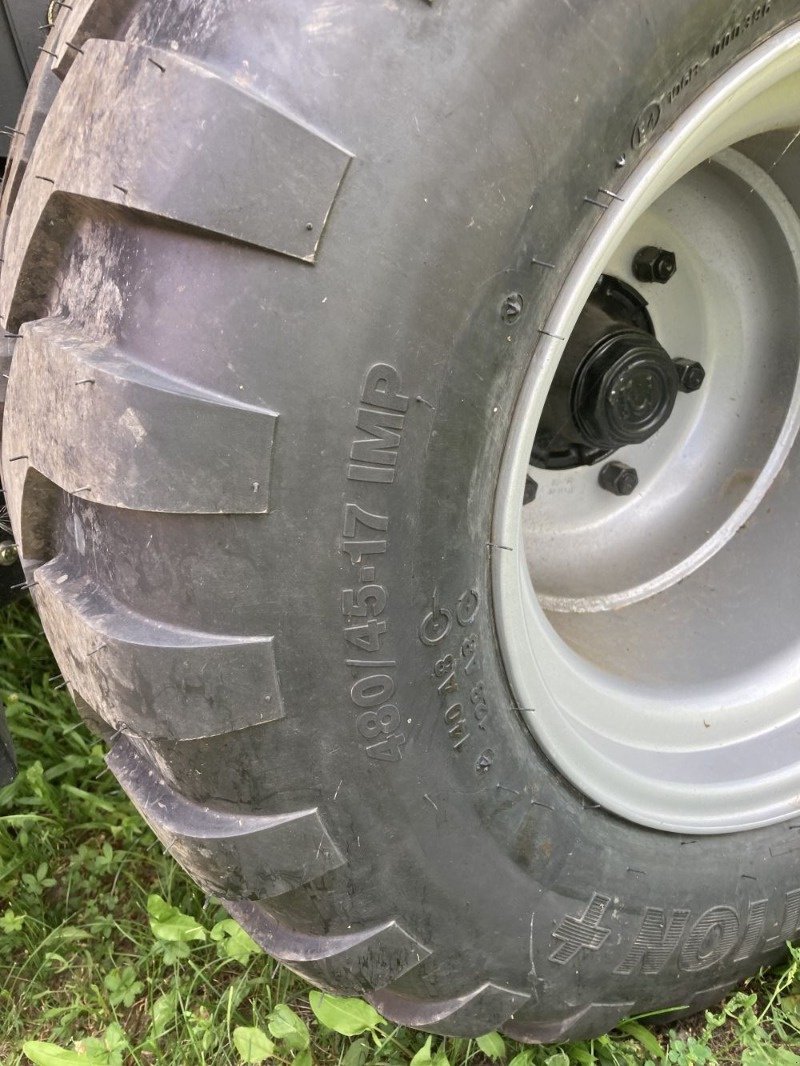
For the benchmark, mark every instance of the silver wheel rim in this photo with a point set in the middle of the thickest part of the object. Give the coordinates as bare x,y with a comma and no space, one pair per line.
653,641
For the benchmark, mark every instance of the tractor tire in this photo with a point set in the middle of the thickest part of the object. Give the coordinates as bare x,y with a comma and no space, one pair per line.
277,275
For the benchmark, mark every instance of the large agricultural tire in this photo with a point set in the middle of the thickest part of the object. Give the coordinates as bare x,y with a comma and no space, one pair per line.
277,276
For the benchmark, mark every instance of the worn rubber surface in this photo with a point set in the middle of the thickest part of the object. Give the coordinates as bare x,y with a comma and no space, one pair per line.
255,255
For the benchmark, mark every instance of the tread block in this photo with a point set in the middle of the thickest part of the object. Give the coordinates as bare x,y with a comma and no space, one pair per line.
82,20
157,133
173,683
234,855
583,1023
485,1008
118,433
356,963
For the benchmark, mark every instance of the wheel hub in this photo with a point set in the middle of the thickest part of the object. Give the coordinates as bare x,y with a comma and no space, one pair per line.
615,384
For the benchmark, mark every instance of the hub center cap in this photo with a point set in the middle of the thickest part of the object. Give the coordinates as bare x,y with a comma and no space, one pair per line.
615,385
624,390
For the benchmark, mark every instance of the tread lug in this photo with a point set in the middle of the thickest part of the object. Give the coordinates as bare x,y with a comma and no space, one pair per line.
280,179
79,22
172,683
233,855
485,1008
121,434
356,963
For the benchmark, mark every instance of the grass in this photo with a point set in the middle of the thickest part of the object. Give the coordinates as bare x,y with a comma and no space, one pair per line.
109,954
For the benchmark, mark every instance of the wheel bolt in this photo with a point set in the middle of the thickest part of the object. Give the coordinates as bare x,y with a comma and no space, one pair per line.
654,264
690,374
531,487
8,553
618,478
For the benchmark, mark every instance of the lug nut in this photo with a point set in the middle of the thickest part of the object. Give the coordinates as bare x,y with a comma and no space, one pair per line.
531,488
8,553
690,374
654,264
618,478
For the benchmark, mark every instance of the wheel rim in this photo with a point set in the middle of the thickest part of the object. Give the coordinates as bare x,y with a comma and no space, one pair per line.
652,640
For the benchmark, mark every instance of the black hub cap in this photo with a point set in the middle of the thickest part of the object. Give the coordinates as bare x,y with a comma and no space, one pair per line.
615,384
624,390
